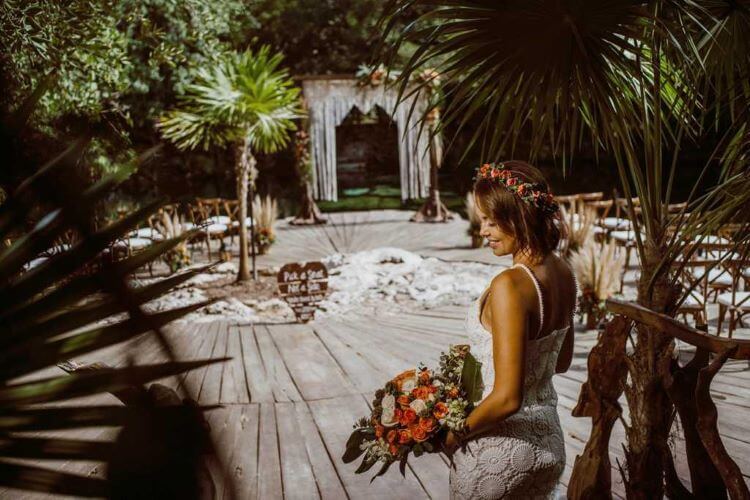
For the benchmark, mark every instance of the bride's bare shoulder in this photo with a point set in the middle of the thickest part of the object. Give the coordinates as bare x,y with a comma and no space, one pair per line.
510,282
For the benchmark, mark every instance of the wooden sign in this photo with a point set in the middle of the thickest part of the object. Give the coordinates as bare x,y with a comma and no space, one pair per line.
302,286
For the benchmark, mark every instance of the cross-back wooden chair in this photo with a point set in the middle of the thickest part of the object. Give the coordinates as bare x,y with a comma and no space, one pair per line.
736,301
720,276
567,201
213,221
587,197
693,272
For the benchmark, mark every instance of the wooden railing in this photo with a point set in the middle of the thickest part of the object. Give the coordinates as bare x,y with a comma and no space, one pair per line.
713,473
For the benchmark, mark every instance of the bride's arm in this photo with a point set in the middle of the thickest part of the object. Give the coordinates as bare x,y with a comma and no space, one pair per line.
509,314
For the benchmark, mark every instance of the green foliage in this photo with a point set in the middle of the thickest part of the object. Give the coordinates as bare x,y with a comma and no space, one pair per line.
243,97
471,378
124,57
320,36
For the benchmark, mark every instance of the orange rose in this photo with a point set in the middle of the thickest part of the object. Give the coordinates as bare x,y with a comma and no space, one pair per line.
421,392
408,417
440,410
495,173
404,436
453,392
424,376
399,379
392,436
427,424
393,449
379,430
403,400
418,433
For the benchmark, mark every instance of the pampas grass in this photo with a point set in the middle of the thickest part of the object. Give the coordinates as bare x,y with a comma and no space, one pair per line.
170,226
580,222
265,212
598,268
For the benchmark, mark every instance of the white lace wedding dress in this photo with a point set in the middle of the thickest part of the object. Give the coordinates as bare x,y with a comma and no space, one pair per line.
525,455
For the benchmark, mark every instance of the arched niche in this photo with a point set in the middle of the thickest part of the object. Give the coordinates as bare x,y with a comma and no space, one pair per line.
329,100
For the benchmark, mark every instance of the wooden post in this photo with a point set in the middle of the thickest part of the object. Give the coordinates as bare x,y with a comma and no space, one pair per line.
433,209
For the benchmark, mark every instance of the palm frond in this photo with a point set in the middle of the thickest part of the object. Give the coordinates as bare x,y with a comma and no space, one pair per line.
244,96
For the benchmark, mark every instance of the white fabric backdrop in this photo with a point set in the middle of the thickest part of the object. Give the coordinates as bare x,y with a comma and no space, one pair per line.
329,101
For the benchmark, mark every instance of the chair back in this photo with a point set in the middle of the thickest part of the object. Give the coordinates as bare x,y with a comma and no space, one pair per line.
209,207
586,197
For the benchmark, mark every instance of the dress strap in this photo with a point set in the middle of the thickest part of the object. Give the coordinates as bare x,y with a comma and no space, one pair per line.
538,292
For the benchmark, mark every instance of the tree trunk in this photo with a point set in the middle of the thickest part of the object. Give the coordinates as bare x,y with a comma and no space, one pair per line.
252,225
309,213
244,163
650,407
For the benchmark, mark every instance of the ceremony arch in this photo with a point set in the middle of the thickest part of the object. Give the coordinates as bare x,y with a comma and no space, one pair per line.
330,98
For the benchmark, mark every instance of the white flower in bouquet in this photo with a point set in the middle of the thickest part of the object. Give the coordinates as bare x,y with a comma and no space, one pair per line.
419,406
388,402
409,384
388,419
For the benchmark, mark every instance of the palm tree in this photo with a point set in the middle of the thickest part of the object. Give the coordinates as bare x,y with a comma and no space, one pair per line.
636,79
244,101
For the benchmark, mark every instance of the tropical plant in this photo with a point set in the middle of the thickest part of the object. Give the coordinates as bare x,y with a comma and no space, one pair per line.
598,269
246,101
72,304
633,78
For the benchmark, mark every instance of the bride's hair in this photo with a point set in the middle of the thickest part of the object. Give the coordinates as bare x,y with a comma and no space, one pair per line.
536,228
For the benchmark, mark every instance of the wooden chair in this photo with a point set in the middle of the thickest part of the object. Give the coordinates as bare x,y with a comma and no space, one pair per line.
214,223
737,301
587,197
567,201
714,248
693,276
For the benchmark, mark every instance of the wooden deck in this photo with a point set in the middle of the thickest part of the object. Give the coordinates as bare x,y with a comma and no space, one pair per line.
291,393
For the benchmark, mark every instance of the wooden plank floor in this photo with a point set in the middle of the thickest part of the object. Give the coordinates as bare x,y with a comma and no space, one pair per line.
291,392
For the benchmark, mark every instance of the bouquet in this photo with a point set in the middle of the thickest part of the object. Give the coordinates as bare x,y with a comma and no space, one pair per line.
415,410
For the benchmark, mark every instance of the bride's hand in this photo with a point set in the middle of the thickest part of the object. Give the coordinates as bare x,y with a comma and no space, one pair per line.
450,444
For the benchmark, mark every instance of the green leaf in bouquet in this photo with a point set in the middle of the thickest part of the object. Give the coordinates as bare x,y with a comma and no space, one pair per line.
353,450
402,464
471,378
418,450
366,465
383,470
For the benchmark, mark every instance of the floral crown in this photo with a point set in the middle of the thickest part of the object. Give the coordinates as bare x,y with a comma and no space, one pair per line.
533,194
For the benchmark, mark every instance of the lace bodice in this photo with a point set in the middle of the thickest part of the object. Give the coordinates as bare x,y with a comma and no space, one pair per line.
541,355
525,456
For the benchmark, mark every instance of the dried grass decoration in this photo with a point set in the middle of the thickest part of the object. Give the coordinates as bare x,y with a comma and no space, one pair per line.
580,223
598,268
170,226
266,212
474,223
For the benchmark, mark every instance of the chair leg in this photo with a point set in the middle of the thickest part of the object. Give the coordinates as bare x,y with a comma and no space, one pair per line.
732,321
627,256
208,246
722,313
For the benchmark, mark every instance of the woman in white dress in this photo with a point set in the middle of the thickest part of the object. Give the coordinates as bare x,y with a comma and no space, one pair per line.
520,329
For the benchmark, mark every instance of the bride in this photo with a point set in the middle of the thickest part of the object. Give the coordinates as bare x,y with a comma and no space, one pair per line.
521,331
